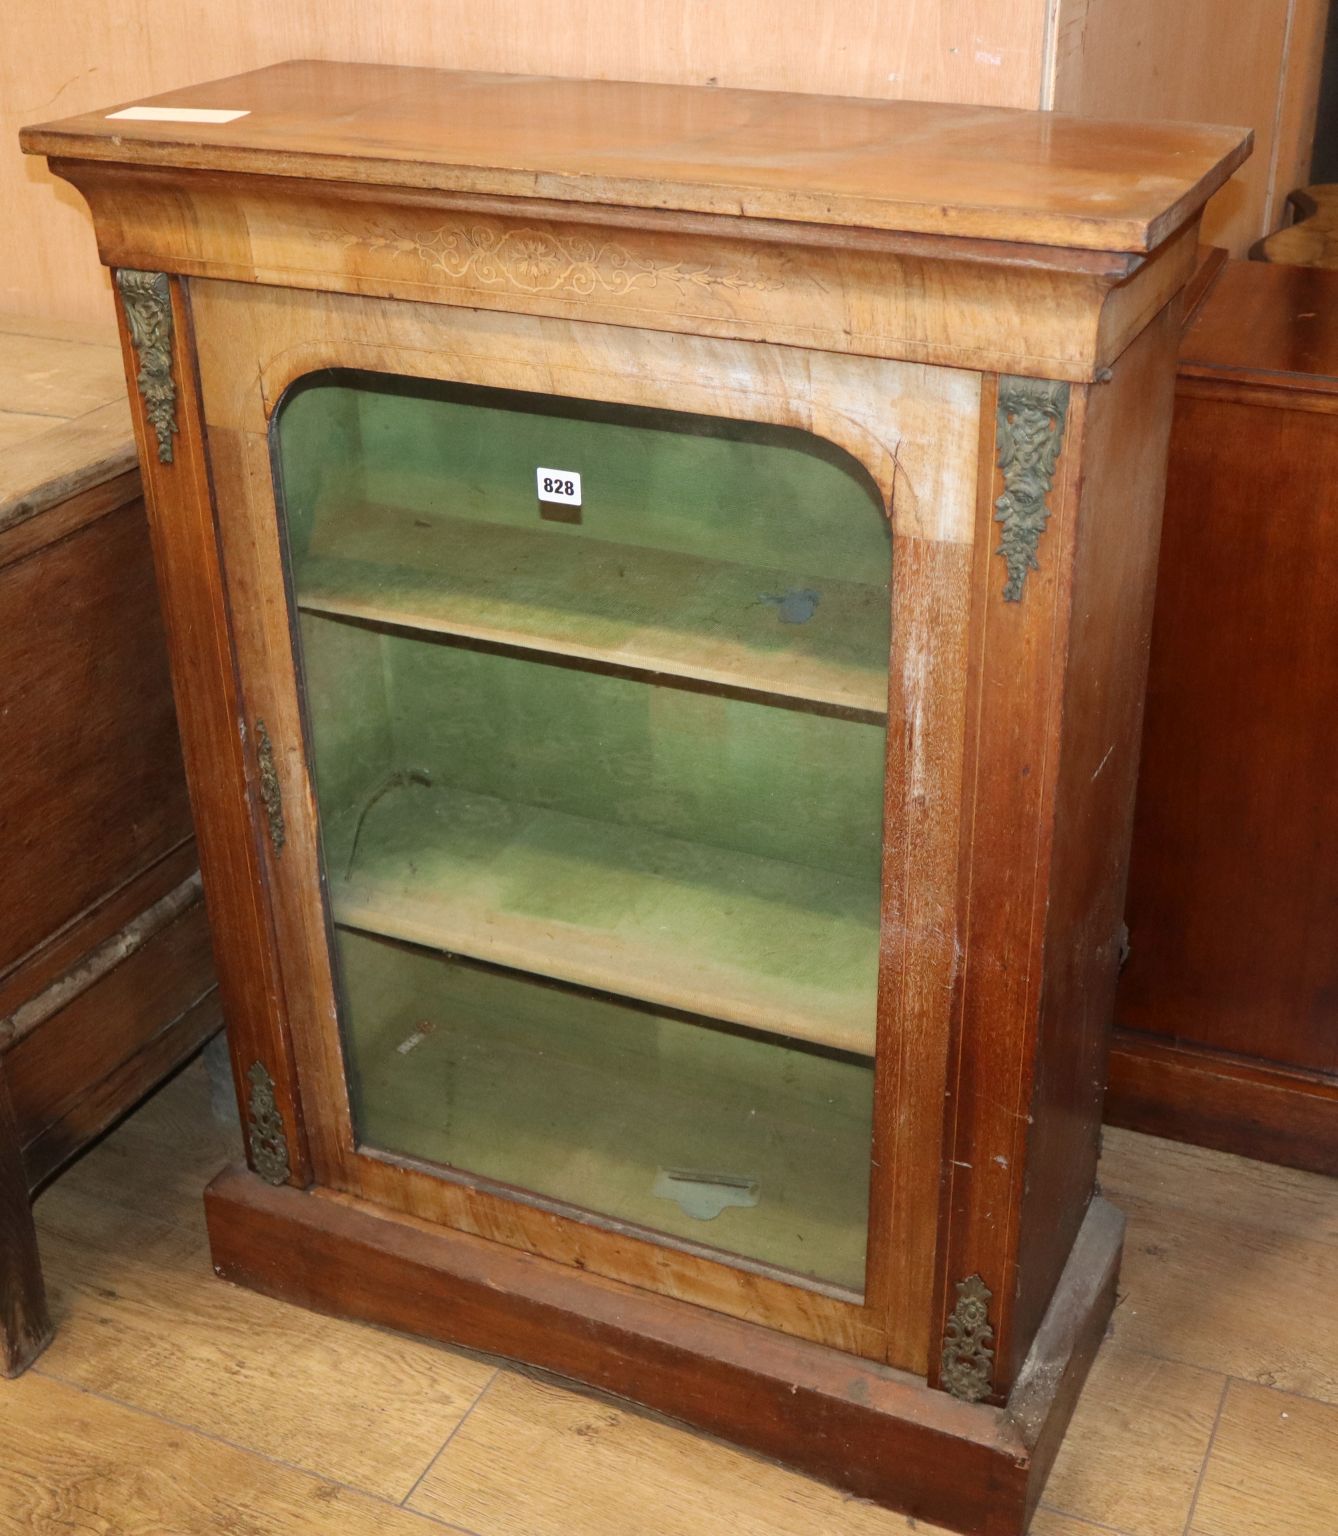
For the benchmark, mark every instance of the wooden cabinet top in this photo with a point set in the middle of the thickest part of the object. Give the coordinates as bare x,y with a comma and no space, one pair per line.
974,172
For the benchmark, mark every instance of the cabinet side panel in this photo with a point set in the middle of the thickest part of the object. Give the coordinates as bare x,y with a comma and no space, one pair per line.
1110,623
216,734
1014,690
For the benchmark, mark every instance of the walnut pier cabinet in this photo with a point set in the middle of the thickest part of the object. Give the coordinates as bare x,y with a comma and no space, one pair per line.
658,582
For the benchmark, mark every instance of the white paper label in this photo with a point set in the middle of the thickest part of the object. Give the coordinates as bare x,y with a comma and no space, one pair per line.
176,115
560,485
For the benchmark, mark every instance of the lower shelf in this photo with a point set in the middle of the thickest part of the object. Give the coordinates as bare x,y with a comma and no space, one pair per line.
732,1142
773,946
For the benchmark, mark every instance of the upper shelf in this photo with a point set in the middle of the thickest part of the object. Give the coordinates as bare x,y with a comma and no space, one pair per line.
983,173
644,609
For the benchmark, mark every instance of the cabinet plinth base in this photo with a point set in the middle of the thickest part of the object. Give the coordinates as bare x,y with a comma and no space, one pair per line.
877,1432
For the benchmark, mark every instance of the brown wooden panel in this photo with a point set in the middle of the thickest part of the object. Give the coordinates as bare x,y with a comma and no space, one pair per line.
923,788
1267,321
1255,1109
56,1073
1058,681
1233,900
1231,992
1014,677
89,758
1052,1376
968,304
133,1079
43,511
218,748
850,1420
1110,625
69,948
866,1427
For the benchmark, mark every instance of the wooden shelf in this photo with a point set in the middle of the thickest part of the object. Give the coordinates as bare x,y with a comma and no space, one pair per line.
629,1115
652,610
774,946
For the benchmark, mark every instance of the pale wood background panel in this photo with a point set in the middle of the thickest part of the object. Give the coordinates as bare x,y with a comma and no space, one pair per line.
77,57
1252,63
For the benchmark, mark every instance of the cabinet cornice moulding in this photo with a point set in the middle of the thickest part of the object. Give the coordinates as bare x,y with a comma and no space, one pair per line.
1034,311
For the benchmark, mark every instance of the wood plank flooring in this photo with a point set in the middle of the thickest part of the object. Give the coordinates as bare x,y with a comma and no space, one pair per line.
171,1403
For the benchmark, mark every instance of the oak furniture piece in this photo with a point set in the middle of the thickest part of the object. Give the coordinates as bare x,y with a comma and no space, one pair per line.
1228,1006
106,982
659,582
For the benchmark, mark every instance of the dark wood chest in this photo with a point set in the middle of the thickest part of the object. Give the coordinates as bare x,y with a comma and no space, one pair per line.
106,979
1228,1006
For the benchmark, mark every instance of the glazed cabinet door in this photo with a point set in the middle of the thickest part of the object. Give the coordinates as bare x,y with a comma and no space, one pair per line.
565,652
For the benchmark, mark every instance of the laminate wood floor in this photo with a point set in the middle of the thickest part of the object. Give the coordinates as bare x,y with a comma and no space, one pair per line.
171,1404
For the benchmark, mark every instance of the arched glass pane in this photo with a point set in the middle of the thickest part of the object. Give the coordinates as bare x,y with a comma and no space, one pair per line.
595,699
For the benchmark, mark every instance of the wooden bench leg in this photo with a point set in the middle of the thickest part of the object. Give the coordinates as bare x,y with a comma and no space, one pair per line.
25,1326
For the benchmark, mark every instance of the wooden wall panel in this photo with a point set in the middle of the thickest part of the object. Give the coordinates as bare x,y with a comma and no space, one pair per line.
1252,63
1298,105
74,58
